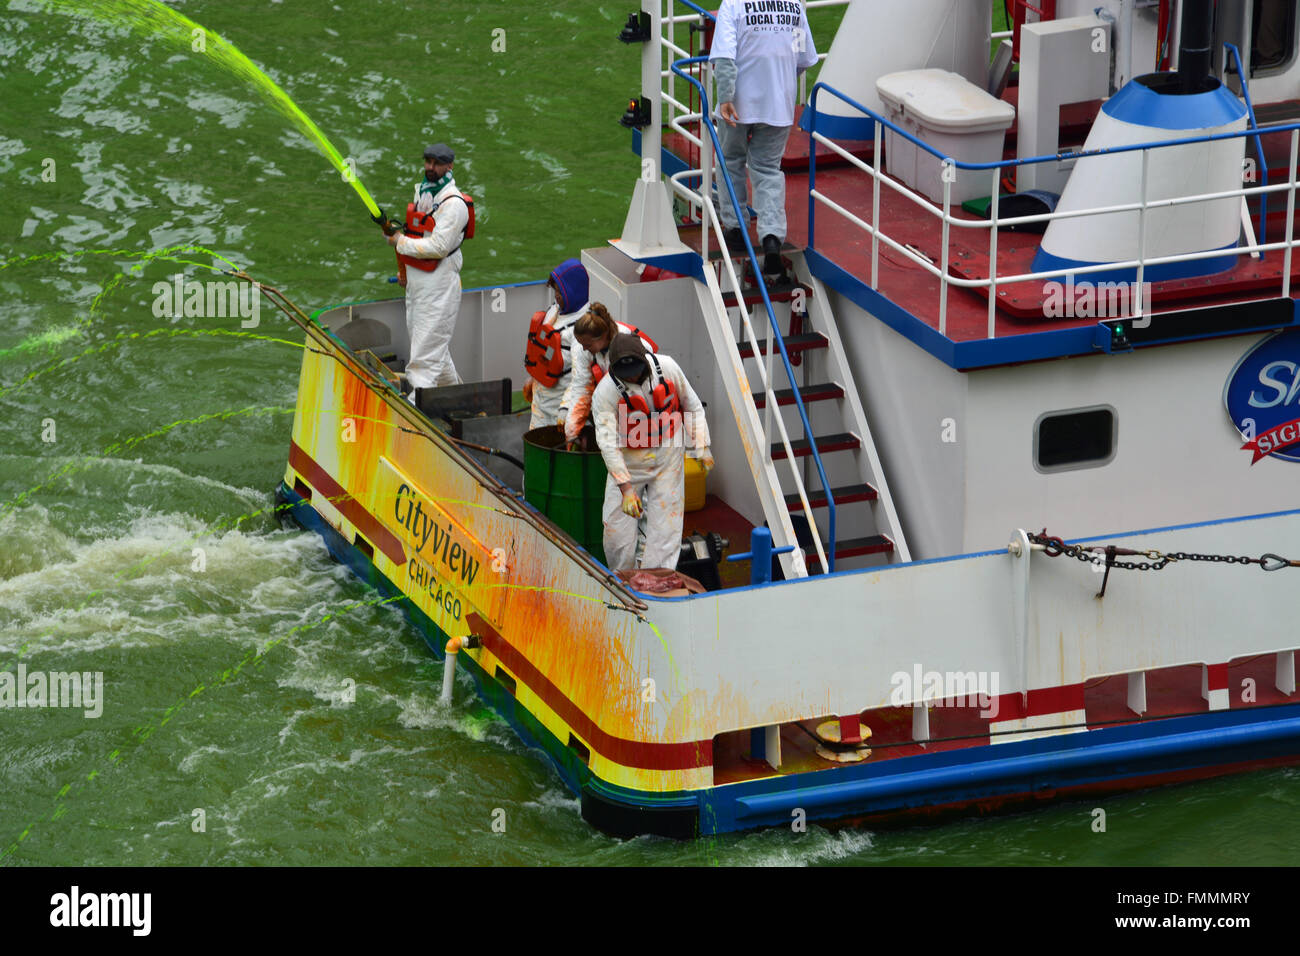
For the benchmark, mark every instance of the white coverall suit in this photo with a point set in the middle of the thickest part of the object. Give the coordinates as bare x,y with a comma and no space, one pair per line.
433,298
576,404
548,399
657,475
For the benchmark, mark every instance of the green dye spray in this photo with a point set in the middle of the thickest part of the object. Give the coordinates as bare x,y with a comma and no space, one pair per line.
153,19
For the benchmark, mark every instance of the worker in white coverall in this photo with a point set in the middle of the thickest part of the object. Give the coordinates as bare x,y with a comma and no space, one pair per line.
757,57
592,337
646,414
433,295
550,346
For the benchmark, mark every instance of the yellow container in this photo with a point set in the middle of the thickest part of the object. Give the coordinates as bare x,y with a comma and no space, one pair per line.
695,475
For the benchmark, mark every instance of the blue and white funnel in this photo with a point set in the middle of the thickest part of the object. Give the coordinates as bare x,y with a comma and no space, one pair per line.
1150,109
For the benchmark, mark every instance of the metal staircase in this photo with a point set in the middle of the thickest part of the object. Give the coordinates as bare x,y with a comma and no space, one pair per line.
805,434
833,421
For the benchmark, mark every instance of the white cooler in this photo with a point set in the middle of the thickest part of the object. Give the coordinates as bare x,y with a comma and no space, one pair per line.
952,115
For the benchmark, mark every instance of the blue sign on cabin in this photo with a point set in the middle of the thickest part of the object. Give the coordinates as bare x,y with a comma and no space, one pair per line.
1263,397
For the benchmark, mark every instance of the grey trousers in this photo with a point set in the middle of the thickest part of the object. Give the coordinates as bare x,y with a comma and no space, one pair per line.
759,147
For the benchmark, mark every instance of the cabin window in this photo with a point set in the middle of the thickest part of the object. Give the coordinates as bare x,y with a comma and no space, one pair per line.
1273,36
1078,438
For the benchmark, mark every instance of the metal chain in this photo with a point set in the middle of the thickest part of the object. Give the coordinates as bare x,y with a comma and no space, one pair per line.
1156,560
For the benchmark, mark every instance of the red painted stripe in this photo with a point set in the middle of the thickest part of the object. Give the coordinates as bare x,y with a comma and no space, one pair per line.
628,753
351,509
1216,677
1046,700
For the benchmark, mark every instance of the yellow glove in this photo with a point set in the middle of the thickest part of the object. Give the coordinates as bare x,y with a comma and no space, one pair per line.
559,422
706,461
631,504
528,389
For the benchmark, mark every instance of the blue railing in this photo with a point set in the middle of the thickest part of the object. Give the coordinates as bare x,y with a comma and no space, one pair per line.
743,218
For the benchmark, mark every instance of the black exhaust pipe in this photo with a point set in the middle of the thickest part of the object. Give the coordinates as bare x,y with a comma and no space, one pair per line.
1194,46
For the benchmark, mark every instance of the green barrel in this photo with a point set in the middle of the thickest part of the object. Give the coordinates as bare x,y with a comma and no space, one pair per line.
566,486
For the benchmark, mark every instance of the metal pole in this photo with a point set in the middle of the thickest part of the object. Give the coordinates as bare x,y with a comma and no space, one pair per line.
1290,215
652,86
875,208
948,172
1139,305
993,251
706,163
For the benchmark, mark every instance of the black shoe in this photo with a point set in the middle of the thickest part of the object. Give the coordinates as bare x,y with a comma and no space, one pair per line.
735,238
773,268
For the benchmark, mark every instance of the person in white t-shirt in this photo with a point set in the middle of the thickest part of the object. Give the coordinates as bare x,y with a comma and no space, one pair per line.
759,49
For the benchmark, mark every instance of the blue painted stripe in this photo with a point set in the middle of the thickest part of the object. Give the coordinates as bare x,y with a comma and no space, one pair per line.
976,353
1045,261
971,776
1140,105
839,127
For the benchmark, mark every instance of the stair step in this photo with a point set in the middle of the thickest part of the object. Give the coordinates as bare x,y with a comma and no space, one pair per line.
793,344
825,443
753,298
843,496
856,547
826,391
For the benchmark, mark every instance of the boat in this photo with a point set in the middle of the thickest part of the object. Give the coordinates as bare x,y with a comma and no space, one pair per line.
1006,470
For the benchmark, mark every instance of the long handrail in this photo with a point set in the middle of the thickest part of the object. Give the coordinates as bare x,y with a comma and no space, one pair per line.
828,560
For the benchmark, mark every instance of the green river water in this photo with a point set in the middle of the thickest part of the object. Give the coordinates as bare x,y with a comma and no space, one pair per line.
119,455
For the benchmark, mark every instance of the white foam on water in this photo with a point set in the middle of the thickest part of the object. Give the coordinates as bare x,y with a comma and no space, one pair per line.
191,761
782,847
557,799
142,588
31,542
547,162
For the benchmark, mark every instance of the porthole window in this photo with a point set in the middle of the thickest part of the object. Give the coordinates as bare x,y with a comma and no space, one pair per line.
1078,438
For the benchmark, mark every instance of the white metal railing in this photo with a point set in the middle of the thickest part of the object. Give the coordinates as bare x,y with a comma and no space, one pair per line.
943,212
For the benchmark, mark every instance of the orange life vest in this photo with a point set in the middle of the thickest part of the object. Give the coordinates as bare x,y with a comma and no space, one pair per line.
659,424
597,373
420,224
544,358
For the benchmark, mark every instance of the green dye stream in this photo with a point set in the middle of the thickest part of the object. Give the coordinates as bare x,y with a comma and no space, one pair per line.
245,674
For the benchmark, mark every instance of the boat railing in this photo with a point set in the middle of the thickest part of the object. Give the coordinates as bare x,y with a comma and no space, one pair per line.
943,212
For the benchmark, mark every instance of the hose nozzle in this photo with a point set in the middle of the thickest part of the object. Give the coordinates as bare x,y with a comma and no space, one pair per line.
387,225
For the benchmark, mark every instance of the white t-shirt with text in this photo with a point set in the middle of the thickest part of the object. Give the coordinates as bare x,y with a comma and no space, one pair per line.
770,42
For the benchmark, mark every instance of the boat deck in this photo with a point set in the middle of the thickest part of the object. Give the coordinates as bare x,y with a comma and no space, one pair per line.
1171,692
1020,308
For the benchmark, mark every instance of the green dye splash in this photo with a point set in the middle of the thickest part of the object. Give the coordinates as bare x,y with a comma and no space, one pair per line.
51,338
153,19
122,339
